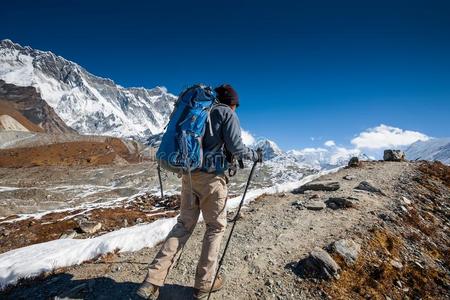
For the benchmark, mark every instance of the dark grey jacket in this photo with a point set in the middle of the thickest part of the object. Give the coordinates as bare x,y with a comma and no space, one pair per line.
226,132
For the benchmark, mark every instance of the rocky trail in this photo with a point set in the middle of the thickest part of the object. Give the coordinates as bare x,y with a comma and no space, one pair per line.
379,230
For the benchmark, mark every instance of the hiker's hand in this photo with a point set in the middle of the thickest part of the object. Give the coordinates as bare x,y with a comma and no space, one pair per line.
260,153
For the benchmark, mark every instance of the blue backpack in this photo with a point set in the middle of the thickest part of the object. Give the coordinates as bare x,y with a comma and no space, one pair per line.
180,150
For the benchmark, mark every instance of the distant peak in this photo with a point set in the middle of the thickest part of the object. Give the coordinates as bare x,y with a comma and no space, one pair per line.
8,43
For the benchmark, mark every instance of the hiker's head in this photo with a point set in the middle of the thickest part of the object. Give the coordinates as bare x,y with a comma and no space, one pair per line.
227,95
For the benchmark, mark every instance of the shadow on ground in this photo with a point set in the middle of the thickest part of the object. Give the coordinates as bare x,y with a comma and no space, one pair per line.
63,286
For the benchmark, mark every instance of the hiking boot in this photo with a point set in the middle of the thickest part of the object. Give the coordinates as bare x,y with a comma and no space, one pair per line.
203,293
148,290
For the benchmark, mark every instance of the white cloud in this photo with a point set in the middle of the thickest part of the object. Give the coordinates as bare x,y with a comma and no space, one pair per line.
247,138
330,143
342,154
384,136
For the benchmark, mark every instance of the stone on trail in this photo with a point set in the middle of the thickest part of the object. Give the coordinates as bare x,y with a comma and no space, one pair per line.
349,177
315,205
319,264
354,162
327,186
339,203
347,249
368,187
406,201
394,155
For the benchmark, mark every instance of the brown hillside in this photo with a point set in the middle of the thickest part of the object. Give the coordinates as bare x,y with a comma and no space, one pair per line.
67,154
7,109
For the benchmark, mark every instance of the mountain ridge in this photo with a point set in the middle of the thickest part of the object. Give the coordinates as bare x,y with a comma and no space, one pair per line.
88,103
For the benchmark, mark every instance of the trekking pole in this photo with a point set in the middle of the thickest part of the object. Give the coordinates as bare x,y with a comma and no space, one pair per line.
160,181
232,228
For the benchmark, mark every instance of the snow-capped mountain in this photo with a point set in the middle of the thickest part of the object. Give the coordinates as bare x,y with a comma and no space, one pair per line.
269,148
87,103
293,164
432,149
321,158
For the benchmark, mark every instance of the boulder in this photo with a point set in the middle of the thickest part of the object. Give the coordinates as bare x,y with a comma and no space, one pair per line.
394,155
368,187
339,203
319,264
354,162
318,186
347,249
89,226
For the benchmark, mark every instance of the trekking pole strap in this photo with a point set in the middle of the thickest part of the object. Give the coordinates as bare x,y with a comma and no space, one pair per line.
232,228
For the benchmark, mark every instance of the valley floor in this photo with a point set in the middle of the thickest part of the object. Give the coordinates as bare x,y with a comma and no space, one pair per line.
403,233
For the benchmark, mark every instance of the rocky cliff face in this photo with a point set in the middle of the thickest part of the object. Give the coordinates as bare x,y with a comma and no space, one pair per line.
85,102
28,102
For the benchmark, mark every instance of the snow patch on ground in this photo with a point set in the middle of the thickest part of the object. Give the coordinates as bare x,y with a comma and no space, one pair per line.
33,260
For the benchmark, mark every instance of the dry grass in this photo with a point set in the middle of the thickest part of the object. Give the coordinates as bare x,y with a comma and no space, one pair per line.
84,153
419,239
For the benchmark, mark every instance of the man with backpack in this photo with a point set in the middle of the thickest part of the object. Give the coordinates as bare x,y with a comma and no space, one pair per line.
203,190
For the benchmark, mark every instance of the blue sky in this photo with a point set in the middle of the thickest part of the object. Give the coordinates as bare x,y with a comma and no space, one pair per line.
303,69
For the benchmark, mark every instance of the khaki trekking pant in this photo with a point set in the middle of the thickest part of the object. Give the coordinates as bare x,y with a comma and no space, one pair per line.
210,194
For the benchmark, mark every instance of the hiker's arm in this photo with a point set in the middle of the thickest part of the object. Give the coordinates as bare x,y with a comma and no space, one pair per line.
233,141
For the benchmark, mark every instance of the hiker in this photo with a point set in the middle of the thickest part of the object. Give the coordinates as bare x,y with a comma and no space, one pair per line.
209,187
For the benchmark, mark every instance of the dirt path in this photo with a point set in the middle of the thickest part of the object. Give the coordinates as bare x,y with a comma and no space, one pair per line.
272,235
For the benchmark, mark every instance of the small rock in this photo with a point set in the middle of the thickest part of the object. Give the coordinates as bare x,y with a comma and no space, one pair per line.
68,235
298,204
116,268
339,203
76,292
318,186
90,227
349,177
406,201
368,187
393,155
347,249
396,264
319,264
139,220
269,282
314,196
354,162
315,205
